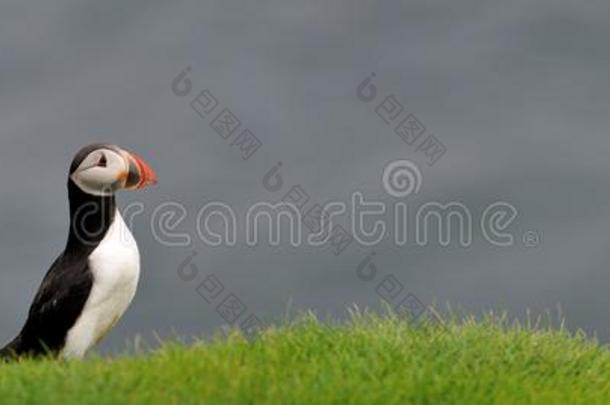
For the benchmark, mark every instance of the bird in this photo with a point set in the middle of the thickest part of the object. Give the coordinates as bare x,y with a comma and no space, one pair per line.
91,284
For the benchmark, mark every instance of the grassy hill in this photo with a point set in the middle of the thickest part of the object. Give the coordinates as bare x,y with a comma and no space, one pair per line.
370,360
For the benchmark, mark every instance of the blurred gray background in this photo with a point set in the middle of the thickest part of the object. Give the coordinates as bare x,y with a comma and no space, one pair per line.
518,92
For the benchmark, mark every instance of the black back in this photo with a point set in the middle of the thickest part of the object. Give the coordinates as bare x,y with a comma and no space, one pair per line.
67,285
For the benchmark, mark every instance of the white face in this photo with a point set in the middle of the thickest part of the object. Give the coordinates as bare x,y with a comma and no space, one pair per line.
102,172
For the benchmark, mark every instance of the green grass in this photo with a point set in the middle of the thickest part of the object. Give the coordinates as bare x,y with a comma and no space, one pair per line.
371,359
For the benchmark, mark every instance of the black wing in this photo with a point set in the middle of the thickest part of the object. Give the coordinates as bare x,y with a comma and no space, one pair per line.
56,308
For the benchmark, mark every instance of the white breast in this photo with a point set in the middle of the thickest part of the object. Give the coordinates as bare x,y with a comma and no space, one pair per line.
115,265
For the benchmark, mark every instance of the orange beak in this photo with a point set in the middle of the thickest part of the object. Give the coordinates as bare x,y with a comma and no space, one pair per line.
140,173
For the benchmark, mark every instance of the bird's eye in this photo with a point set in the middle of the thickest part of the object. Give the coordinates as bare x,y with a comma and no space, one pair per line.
103,162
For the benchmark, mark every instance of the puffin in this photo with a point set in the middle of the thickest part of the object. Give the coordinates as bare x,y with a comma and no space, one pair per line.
91,284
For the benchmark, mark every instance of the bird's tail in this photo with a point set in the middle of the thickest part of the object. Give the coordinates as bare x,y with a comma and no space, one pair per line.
10,351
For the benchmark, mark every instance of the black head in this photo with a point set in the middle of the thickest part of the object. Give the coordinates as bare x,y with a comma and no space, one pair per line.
101,169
